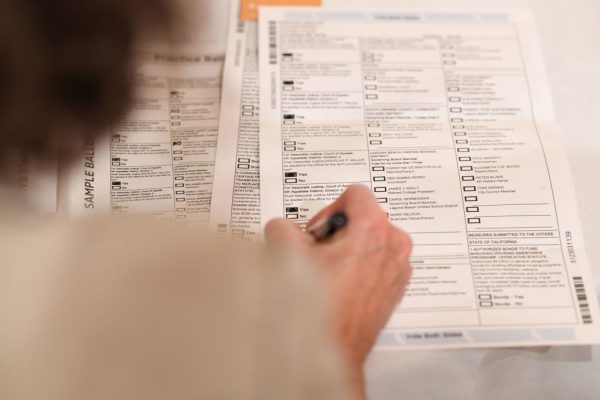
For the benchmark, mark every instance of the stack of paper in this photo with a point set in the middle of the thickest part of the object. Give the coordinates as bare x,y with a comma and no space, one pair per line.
444,113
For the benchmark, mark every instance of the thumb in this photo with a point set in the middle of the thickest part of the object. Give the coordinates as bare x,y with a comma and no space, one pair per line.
281,231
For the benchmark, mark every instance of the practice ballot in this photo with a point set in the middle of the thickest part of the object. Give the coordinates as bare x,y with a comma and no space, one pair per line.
447,117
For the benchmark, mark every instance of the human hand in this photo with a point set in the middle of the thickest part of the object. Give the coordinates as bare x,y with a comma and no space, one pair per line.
365,266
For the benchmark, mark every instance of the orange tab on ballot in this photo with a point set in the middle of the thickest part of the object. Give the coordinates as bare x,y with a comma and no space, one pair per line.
249,8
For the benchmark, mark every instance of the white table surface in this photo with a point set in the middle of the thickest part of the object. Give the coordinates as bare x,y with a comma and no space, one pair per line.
569,33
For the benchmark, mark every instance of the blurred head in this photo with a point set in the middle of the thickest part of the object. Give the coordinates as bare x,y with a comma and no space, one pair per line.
64,68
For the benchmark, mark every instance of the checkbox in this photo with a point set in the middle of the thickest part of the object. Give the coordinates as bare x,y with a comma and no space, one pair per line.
463,150
243,160
379,178
456,119
181,209
291,216
175,123
289,148
237,232
177,158
248,108
180,199
377,169
243,166
458,127
291,180
116,187
248,113
382,199
179,185
474,220
469,188
180,192
288,88
464,158
449,62
455,109
373,125
175,117
468,178
466,168
289,143
371,97
371,87
462,141
470,198
486,304
454,99
289,122
460,133
380,189
116,164
179,178
177,152
472,209
374,134
183,216
370,78
484,297
375,142
453,89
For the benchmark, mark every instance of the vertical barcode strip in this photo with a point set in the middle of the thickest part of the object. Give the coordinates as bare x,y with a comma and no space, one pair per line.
582,300
272,42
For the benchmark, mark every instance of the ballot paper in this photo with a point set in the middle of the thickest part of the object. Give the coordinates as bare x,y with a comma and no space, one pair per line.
235,206
158,161
446,116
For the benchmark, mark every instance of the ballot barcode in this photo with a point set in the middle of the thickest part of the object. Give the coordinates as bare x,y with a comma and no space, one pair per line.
272,43
582,300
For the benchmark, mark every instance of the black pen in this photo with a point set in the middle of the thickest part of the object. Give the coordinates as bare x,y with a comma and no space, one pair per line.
328,226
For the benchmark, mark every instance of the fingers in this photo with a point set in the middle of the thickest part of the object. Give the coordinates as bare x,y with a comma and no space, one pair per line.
357,202
285,232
